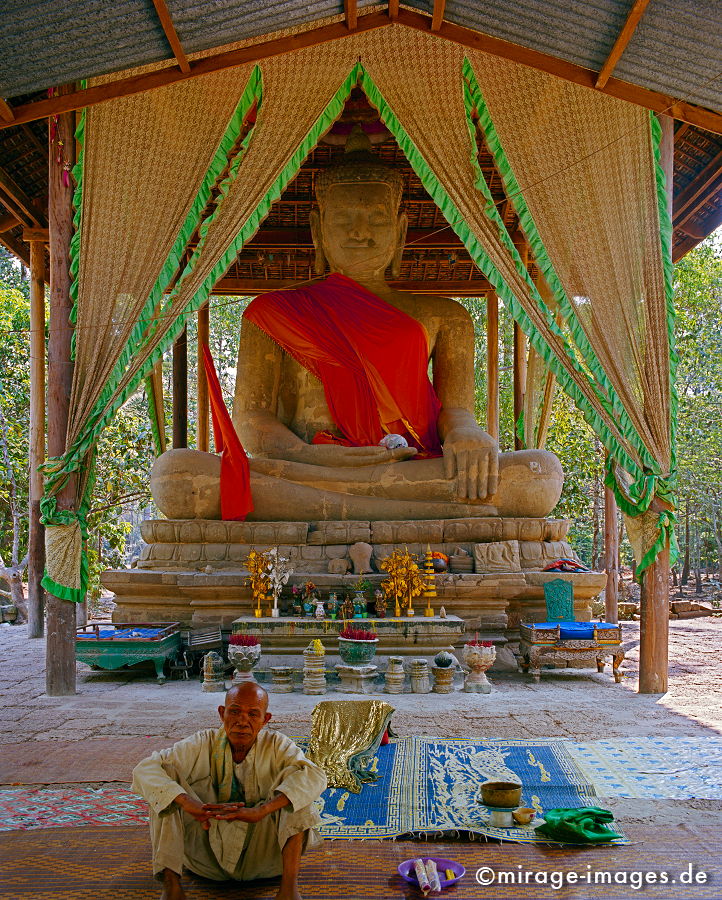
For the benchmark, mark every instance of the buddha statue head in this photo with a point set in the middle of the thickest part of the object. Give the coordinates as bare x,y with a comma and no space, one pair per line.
357,228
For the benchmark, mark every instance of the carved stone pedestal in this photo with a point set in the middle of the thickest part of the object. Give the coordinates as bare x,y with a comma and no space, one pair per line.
314,673
282,679
419,671
356,679
443,679
394,676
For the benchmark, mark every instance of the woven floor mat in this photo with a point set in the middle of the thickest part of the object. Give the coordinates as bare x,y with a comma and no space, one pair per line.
71,762
113,863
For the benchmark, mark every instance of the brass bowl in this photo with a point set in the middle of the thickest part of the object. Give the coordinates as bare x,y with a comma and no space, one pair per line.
503,794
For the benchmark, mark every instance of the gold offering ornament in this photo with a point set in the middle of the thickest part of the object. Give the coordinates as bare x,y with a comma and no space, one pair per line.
430,579
405,582
259,566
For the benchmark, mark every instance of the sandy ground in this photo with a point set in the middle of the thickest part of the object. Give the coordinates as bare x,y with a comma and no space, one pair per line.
578,704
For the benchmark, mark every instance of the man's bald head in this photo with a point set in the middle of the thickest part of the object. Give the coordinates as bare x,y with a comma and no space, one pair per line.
244,714
249,690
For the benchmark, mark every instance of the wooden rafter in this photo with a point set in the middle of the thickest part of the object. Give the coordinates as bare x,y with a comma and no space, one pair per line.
662,103
19,204
125,87
393,9
7,114
697,193
350,9
465,37
620,45
171,34
438,15
17,248
8,222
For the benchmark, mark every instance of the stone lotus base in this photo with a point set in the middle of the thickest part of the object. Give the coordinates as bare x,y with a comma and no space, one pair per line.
356,679
191,571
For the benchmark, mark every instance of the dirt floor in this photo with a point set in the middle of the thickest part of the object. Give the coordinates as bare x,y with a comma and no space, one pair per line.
581,706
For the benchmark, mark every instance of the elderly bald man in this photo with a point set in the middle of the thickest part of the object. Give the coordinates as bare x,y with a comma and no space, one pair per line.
233,803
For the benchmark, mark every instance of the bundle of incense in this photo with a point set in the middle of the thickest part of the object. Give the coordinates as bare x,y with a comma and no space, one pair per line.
420,871
432,873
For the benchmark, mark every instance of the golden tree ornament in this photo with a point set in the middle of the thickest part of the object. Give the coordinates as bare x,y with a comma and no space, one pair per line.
430,581
259,570
405,581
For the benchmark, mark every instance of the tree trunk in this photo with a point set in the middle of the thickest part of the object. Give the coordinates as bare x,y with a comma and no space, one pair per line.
685,565
654,627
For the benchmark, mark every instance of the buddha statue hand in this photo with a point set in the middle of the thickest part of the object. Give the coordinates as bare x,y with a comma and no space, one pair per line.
471,456
337,455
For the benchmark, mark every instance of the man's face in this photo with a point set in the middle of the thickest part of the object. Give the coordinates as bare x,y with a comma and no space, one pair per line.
360,228
243,716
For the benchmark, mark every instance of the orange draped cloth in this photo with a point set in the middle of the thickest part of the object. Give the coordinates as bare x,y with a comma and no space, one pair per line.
236,500
371,358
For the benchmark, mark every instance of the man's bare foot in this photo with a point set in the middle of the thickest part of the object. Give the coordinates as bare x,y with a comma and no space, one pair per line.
288,893
172,887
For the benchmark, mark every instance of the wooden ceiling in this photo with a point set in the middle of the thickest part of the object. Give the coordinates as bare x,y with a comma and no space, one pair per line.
281,253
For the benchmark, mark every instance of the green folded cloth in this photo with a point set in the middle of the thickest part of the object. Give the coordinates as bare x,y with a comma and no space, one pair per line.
587,824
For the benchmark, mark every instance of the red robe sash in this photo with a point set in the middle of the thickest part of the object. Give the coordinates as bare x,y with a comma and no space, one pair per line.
236,500
371,358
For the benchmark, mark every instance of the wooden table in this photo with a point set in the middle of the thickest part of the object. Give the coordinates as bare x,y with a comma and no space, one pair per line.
110,646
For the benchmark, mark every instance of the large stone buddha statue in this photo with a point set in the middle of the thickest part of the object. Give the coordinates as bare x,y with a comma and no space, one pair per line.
282,406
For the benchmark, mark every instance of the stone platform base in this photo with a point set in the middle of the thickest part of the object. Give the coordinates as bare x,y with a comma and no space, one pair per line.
192,571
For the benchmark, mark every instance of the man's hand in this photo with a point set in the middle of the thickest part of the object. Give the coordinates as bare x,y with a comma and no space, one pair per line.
236,812
472,457
194,808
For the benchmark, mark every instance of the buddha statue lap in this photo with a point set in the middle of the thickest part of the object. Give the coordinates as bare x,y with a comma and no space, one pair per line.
280,406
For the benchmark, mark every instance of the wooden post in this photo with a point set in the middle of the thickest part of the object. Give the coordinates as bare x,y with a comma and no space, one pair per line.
492,365
202,400
611,556
519,352
519,379
180,390
60,648
654,598
36,532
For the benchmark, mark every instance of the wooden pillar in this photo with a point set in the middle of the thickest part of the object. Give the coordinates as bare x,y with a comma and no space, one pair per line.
180,390
519,379
202,399
36,532
519,352
611,556
654,599
60,648
492,365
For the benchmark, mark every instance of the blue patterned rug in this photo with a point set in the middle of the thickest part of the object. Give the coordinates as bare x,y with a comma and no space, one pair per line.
430,786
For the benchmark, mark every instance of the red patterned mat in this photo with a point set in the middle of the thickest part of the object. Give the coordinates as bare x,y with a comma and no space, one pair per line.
113,863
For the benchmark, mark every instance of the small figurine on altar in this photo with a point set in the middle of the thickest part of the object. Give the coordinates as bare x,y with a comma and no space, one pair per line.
332,605
379,603
297,603
309,598
347,608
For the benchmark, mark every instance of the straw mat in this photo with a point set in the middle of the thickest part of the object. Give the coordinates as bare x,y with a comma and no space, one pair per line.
114,864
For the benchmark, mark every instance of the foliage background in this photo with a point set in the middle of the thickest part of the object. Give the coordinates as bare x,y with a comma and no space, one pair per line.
126,451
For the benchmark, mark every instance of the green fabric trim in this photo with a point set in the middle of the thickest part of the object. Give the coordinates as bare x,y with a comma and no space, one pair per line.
603,388
74,251
152,415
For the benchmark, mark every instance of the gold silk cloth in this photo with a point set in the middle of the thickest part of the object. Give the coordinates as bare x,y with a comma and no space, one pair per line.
345,735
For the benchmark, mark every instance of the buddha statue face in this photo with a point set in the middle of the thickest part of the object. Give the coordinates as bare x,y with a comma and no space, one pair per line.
357,228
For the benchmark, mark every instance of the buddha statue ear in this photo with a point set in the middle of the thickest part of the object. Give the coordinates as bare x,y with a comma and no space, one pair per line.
403,224
319,261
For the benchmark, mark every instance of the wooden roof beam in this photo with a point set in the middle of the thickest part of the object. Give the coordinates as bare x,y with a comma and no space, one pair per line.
438,15
7,114
125,87
697,193
465,37
657,102
350,9
290,238
8,222
393,9
450,288
21,251
171,34
620,45
19,204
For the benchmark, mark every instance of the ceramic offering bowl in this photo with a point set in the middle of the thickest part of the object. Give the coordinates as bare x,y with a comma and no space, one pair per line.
504,794
524,815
